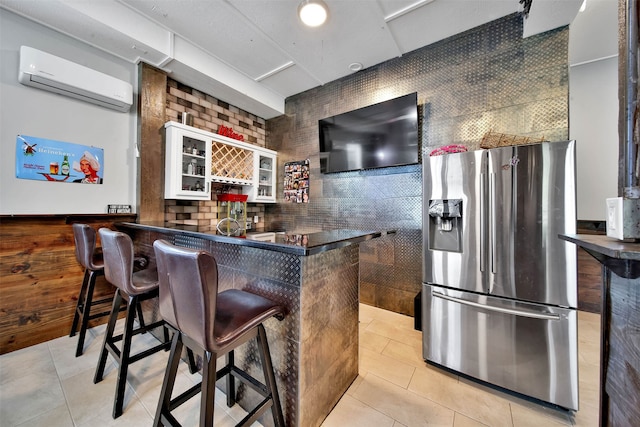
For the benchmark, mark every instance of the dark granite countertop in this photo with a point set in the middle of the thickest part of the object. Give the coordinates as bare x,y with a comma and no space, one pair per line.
605,245
286,242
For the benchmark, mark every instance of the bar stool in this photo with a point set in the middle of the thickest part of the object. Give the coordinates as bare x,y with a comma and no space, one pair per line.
215,323
85,240
133,288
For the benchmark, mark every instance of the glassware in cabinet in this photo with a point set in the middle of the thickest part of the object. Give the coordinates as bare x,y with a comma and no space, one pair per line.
264,188
188,170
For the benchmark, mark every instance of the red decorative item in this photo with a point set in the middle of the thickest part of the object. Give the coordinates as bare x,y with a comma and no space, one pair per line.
448,149
225,131
227,197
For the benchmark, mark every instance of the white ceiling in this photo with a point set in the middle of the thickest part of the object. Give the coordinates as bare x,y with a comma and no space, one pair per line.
256,53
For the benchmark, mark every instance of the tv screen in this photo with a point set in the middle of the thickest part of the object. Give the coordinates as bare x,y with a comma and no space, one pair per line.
377,136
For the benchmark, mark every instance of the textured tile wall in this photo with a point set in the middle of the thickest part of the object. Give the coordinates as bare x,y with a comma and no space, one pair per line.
488,78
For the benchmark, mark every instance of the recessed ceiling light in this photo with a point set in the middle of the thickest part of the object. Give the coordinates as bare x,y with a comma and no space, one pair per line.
313,13
355,66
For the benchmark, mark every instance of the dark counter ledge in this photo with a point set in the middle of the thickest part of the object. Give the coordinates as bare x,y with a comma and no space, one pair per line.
619,324
290,243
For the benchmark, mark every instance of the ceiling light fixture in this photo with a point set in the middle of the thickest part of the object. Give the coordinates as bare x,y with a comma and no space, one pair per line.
313,13
355,66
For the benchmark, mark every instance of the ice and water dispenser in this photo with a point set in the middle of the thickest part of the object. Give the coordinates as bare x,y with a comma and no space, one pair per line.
445,225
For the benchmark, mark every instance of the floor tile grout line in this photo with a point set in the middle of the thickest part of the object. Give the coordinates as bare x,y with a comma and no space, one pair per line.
64,392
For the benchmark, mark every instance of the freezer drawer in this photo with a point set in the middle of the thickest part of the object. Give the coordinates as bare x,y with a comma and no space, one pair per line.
527,348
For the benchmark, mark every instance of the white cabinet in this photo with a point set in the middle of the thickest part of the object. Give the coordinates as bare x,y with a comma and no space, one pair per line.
264,189
187,164
195,158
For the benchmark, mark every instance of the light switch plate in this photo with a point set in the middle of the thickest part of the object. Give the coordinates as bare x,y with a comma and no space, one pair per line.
615,218
623,218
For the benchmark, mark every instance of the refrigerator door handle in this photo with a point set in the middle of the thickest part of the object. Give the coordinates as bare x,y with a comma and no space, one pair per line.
492,221
545,316
483,223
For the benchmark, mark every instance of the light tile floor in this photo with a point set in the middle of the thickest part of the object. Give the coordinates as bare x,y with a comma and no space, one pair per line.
45,385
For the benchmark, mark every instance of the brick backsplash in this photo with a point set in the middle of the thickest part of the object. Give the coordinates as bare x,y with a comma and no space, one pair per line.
209,114
207,213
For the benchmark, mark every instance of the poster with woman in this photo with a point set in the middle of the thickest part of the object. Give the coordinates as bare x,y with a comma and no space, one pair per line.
296,182
56,161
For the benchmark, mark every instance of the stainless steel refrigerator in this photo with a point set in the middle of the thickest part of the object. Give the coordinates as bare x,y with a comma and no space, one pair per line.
499,291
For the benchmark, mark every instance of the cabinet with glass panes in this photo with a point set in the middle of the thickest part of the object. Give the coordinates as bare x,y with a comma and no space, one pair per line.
187,165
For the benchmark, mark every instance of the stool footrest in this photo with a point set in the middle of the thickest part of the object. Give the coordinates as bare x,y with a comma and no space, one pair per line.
143,354
249,381
115,351
140,330
101,314
168,419
184,397
257,412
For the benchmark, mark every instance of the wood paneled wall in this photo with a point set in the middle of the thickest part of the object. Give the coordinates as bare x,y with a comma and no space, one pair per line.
589,271
40,277
151,114
589,283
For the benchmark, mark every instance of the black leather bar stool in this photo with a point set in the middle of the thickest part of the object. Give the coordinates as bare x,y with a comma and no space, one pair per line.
216,324
133,288
85,239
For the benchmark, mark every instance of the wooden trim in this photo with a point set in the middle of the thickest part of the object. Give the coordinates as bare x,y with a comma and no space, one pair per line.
152,104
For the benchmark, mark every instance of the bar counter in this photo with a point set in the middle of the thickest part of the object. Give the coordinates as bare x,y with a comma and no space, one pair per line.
278,241
315,277
620,324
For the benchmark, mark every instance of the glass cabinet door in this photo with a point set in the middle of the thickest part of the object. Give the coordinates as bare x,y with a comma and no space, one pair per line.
265,176
188,165
263,189
193,164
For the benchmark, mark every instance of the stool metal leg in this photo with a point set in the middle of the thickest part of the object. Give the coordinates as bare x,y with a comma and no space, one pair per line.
163,412
231,383
207,398
125,352
81,303
108,335
86,311
269,376
141,318
193,367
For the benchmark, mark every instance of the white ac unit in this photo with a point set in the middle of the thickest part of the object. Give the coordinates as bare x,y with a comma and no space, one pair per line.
48,72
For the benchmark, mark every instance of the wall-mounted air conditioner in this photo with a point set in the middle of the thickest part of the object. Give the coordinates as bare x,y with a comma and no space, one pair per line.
48,72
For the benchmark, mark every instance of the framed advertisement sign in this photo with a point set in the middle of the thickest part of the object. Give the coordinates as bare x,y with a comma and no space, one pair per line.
55,161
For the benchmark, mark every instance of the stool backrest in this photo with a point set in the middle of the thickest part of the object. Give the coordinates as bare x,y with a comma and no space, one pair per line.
85,239
188,286
117,250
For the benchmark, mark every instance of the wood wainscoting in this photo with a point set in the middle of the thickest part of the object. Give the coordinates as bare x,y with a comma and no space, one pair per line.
589,271
40,277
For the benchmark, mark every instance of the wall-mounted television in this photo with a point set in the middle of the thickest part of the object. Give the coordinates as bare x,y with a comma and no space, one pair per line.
376,136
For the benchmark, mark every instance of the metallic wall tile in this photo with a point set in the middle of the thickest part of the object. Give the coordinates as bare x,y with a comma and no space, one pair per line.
487,78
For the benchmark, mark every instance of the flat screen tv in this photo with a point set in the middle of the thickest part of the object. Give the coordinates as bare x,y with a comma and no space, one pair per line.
377,136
